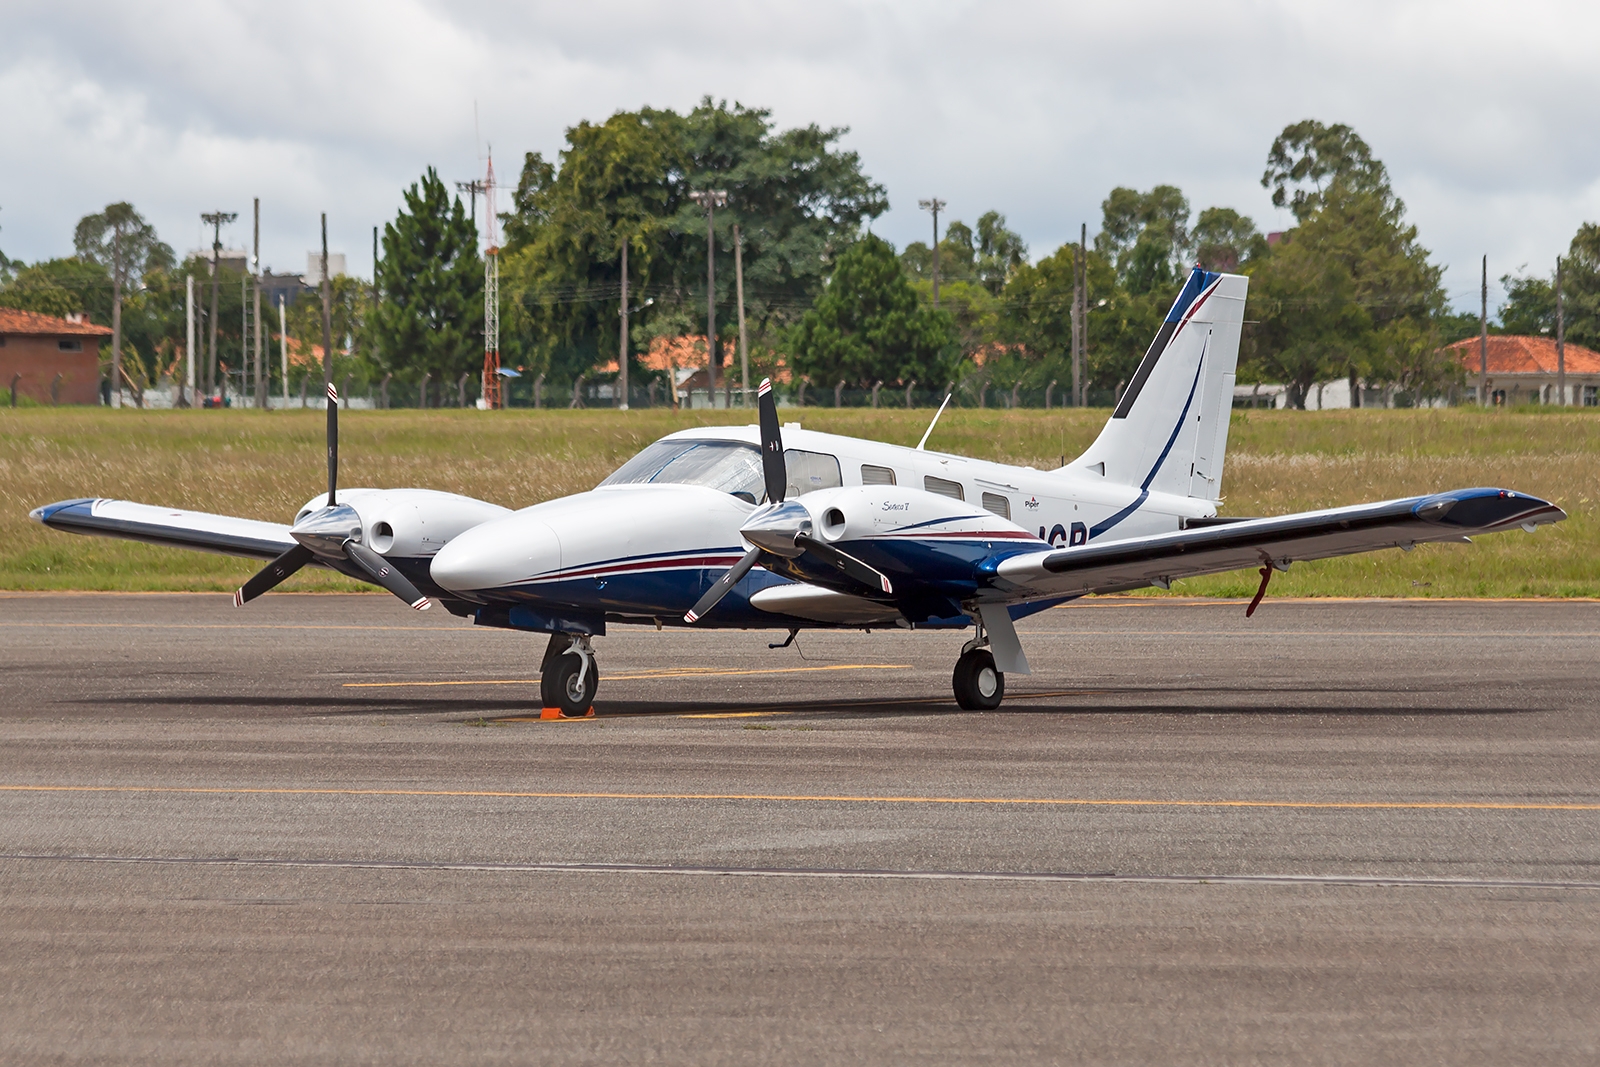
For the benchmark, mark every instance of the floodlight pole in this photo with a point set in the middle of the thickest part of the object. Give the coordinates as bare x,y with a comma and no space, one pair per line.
934,205
711,199
216,219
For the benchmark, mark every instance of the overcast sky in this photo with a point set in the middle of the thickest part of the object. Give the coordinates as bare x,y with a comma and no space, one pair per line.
1485,113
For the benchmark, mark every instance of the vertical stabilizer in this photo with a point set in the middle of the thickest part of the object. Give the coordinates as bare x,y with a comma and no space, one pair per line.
1169,432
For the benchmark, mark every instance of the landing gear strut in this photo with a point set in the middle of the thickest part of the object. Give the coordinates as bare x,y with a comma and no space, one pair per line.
569,677
979,685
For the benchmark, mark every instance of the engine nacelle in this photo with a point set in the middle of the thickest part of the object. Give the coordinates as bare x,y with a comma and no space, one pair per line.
410,523
863,512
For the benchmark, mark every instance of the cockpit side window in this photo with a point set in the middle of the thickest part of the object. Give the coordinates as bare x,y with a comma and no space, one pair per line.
727,466
810,471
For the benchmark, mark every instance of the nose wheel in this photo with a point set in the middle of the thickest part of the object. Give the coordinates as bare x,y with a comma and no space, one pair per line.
570,677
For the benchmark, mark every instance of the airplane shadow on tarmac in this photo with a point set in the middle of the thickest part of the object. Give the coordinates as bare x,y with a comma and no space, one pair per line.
1069,702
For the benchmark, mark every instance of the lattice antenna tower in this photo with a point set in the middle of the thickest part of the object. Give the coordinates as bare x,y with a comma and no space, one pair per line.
492,380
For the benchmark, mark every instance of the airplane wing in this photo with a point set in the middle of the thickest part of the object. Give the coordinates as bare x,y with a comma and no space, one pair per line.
1135,562
122,519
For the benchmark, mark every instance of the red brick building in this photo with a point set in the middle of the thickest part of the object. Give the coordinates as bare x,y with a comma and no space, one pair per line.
40,351
1522,370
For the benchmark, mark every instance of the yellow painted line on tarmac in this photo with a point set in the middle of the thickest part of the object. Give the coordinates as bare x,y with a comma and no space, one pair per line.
825,798
665,672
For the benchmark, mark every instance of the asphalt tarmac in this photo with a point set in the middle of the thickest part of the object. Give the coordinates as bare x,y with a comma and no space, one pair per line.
327,829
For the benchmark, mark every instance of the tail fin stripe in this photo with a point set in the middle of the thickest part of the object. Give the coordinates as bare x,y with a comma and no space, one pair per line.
1182,311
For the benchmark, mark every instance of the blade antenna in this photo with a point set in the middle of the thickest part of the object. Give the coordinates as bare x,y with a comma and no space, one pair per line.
934,423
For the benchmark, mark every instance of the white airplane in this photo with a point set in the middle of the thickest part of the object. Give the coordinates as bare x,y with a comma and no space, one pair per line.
769,527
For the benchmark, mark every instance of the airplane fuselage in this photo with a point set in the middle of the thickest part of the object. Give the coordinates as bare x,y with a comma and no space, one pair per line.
645,545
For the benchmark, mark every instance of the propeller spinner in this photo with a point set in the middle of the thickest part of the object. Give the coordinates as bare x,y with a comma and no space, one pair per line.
781,528
332,532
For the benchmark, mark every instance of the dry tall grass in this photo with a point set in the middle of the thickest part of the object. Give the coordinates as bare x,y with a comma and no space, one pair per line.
265,464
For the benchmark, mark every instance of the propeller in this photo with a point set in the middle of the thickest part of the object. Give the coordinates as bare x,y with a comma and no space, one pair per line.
332,532
779,527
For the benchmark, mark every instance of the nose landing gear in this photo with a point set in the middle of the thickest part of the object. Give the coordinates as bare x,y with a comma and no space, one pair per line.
978,683
569,677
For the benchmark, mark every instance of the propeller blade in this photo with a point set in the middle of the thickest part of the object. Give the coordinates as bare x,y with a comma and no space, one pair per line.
867,576
382,571
772,465
272,574
333,441
720,588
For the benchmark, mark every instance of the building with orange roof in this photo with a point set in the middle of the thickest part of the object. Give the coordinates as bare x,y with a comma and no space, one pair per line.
1524,369
51,360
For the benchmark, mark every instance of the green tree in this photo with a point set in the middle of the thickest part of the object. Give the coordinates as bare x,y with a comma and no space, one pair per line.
1530,306
1225,240
124,245
1146,235
61,287
796,197
1349,291
430,319
1308,158
868,324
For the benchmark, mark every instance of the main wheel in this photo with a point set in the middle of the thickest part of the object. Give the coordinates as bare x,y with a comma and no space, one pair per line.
566,685
978,685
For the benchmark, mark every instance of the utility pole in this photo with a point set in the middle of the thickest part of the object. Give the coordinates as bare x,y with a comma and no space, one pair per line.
622,339
1078,305
711,199
472,189
216,219
1561,339
738,288
377,301
255,276
283,348
327,315
934,205
116,313
1483,340
186,396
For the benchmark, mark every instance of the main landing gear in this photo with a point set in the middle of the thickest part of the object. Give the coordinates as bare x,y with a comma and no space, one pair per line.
569,676
979,685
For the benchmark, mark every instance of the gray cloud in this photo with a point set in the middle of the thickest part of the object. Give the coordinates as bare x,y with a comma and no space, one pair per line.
1481,111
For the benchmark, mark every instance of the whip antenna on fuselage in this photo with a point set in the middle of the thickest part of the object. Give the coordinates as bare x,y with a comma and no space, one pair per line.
934,423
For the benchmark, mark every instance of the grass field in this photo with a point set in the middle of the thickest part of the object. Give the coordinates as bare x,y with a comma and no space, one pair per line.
266,464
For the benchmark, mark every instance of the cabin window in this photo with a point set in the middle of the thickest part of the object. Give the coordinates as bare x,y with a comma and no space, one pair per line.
810,471
70,346
1000,505
871,475
729,466
944,487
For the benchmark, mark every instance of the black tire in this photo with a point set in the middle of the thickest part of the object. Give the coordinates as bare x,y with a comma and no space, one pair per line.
978,685
559,686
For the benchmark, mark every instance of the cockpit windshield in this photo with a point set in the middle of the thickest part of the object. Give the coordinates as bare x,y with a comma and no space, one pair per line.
727,466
